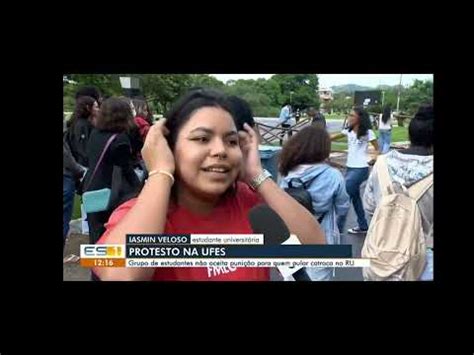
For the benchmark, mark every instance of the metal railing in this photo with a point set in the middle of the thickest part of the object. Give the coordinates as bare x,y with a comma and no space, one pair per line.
276,133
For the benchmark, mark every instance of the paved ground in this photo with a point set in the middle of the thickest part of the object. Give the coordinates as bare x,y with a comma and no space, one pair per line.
73,271
332,125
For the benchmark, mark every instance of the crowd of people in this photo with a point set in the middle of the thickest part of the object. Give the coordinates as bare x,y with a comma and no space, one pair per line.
198,170
93,123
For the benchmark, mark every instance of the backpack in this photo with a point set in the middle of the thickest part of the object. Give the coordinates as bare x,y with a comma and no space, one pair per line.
301,194
395,243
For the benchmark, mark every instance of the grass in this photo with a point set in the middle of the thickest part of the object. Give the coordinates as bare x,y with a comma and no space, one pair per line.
338,146
76,211
399,134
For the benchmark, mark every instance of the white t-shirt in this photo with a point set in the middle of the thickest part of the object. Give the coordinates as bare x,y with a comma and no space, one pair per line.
357,155
385,126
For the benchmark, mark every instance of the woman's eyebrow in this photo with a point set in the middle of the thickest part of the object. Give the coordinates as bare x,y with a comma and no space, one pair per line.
210,131
207,130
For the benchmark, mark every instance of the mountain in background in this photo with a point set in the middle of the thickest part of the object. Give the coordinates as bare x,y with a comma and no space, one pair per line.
349,88
386,87
389,87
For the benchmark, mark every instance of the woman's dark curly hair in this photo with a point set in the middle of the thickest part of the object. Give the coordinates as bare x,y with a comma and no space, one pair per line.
83,109
115,115
364,122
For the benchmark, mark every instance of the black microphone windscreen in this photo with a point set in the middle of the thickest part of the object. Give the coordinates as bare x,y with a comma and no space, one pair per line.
266,221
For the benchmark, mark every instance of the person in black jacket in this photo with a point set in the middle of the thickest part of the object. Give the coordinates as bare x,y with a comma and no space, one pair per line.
80,128
116,169
75,137
72,173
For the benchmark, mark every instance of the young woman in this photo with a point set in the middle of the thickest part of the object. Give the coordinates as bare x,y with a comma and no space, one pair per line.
359,134
406,168
194,158
303,159
385,130
115,117
141,117
82,122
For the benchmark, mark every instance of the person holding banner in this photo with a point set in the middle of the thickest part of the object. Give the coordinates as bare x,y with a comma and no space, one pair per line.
194,158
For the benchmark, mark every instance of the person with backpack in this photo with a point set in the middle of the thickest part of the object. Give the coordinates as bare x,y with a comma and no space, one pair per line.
310,180
359,135
402,178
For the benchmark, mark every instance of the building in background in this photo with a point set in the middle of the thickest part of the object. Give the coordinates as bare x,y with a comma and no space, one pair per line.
325,97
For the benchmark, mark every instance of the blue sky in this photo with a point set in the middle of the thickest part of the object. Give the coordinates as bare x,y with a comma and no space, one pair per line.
328,80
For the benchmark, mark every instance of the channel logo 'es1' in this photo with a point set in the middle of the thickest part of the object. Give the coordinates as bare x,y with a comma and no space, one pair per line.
102,251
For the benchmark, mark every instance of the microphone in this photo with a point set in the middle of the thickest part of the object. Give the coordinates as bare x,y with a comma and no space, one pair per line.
266,221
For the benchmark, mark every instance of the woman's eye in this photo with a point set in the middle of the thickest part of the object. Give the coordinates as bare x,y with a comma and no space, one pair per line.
234,142
201,139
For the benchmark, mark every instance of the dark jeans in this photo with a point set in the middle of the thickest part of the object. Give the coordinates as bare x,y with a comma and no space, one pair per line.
354,178
290,132
68,203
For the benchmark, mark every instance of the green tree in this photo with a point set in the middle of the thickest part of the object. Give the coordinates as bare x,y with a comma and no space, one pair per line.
342,102
69,91
300,89
108,84
390,97
419,93
207,81
272,89
163,89
241,87
258,94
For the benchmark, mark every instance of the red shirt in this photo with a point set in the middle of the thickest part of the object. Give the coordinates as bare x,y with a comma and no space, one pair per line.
143,126
229,217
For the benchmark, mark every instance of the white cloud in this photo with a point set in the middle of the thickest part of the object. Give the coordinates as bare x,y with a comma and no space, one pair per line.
225,77
328,80
372,80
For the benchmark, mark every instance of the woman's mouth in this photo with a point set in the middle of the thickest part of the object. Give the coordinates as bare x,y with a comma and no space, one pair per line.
217,169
